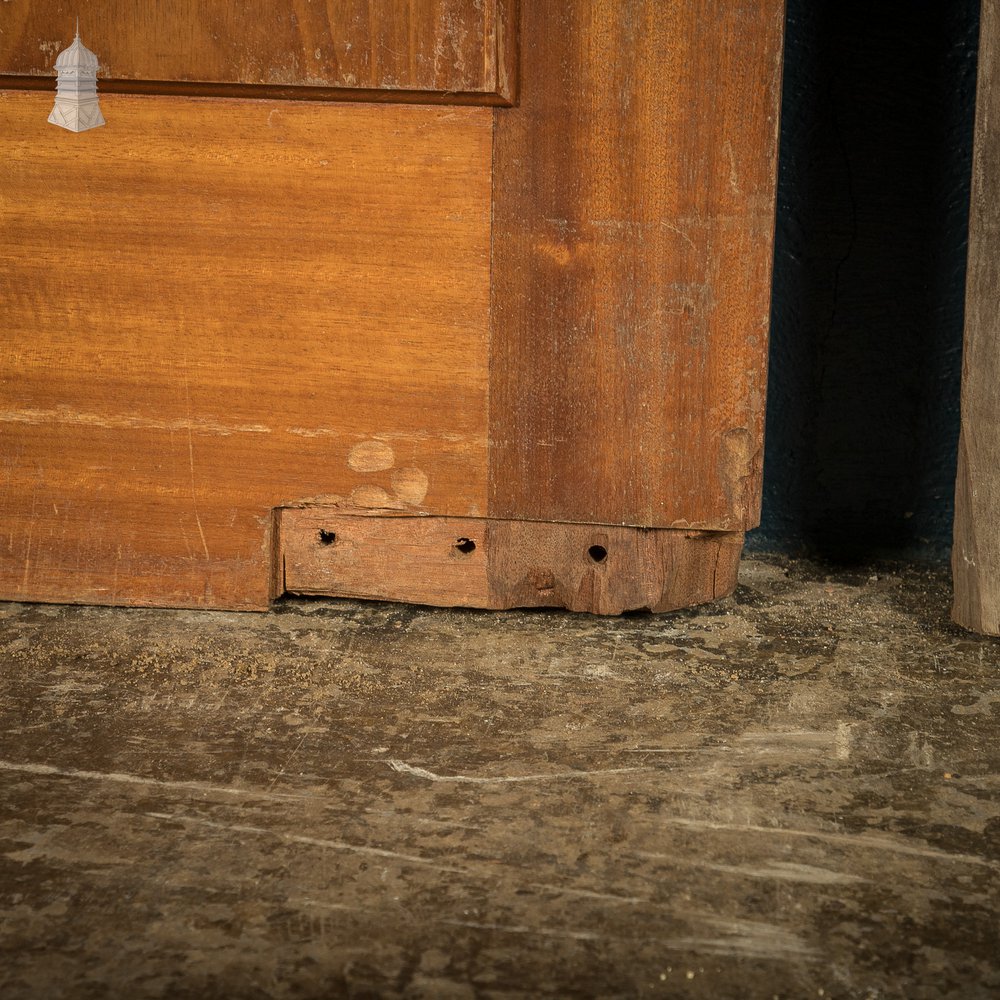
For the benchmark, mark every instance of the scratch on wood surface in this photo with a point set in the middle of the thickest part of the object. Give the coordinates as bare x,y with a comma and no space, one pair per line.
294,838
404,436
636,231
680,232
446,824
27,551
820,739
204,788
522,929
288,760
749,939
786,871
418,772
587,894
194,488
326,905
861,841
194,498
745,938
124,421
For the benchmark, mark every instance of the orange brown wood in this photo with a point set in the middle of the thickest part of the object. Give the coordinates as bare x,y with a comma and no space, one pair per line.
633,220
467,562
544,324
445,47
207,316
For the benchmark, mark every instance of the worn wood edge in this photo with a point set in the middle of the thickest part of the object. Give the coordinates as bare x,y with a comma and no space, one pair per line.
514,564
276,581
969,608
755,486
273,92
166,603
506,51
975,557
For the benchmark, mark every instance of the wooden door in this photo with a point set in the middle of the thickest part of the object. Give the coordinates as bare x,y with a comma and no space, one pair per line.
494,356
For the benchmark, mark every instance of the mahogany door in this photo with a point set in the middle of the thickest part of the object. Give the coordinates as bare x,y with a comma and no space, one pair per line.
421,301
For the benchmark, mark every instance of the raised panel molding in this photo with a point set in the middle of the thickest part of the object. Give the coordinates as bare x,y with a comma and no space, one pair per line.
428,51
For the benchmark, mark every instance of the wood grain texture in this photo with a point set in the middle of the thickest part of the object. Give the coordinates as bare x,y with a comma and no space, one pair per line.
488,563
435,46
633,222
421,560
540,564
976,552
211,311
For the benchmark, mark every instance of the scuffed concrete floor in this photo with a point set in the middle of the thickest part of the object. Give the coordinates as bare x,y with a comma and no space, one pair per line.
792,793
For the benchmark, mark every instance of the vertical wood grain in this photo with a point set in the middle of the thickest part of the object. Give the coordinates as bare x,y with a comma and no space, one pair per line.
976,553
633,221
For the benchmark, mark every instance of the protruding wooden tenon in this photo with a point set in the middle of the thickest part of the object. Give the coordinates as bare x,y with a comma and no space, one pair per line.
499,564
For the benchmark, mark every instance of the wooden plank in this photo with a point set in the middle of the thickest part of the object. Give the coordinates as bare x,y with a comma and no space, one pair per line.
208,315
609,569
489,563
976,553
423,560
633,220
446,47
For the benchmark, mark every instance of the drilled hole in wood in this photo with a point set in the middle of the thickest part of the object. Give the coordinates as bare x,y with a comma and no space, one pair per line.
598,553
465,545
327,537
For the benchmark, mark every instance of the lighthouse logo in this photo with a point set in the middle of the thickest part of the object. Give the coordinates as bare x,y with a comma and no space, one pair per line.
76,106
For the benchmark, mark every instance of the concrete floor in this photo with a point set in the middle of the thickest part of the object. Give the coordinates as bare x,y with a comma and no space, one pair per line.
792,793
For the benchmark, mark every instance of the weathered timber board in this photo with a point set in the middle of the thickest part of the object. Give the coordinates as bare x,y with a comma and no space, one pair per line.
435,46
976,553
488,563
633,221
212,309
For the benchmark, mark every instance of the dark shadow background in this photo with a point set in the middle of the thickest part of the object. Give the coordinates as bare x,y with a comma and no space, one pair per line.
869,281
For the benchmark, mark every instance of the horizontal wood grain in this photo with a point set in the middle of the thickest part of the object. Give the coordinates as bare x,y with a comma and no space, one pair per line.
488,563
212,311
331,48
424,560
633,221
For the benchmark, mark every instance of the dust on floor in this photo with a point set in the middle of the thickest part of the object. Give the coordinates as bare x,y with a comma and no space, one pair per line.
794,792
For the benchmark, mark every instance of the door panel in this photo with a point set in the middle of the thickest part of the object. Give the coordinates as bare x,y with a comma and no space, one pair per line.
208,315
454,47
